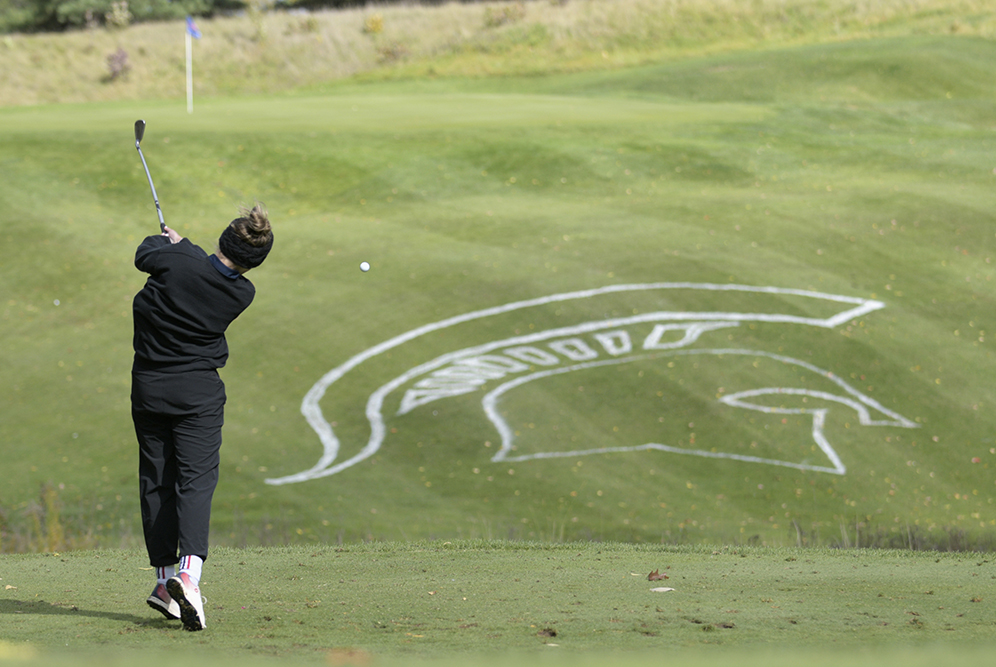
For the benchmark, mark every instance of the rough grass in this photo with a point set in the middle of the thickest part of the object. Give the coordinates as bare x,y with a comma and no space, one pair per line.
283,51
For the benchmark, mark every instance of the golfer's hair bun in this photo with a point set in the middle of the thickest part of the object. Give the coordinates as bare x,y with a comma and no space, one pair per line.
254,226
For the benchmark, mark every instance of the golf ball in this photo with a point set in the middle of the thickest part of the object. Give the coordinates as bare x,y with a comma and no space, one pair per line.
364,266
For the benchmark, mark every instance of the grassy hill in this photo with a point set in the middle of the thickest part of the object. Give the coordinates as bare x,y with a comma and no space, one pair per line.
838,173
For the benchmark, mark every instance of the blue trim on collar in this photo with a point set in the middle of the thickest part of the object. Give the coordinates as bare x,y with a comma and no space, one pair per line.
222,269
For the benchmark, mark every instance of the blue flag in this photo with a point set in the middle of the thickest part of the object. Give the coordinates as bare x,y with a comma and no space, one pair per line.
192,29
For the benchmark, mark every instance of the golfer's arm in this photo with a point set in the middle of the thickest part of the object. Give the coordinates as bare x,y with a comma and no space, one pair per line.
145,256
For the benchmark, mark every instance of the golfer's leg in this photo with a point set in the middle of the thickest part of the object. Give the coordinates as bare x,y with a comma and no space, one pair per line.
157,486
198,447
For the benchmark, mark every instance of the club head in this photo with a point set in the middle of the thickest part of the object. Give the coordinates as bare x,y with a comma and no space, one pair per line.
139,131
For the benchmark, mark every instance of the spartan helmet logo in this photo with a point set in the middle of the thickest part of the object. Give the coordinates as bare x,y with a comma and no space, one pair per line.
674,372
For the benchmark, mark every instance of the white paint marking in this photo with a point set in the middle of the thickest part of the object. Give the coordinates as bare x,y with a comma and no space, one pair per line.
861,405
574,349
312,411
532,355
692,333
615,343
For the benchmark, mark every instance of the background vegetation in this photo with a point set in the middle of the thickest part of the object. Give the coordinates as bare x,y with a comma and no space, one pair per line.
58,15
269,51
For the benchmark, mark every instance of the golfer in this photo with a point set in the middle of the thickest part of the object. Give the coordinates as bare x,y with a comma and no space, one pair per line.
177,398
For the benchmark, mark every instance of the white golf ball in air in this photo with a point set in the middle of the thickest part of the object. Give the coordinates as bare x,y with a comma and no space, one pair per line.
364,267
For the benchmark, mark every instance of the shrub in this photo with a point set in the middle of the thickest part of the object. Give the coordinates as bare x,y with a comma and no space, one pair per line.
119,16
374,24
495,16
392,52
309,24
118,65
256,9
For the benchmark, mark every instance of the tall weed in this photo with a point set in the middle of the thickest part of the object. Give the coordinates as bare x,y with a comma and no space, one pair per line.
41,527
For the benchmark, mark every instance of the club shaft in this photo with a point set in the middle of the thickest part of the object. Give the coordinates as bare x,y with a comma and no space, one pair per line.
155,198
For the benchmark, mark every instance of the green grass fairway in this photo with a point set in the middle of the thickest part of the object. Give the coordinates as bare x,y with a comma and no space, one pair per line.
390,604
860,170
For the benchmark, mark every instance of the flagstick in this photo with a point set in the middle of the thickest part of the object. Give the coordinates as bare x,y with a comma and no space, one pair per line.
190,75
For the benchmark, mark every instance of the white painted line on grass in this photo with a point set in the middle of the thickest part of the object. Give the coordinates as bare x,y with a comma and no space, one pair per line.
857,401
464,369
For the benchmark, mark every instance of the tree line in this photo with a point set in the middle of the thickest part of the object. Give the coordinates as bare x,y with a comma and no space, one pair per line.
58,15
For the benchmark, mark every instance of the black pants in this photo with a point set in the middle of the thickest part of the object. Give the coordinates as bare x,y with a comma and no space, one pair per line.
178,419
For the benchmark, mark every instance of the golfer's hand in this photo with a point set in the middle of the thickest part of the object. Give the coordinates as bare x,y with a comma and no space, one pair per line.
172,234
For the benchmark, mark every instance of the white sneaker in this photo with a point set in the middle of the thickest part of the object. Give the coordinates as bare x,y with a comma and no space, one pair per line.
162,602
188,597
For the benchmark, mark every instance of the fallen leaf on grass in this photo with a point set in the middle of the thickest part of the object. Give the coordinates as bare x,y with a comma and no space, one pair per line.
8,587
660,590
656,576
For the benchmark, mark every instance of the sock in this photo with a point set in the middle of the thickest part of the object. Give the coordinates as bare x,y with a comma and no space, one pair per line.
164,573
192,566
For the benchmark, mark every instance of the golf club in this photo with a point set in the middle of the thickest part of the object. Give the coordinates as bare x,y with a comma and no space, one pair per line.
139,133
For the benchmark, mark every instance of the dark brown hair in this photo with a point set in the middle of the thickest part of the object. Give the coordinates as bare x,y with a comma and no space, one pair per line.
253,225
247,239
